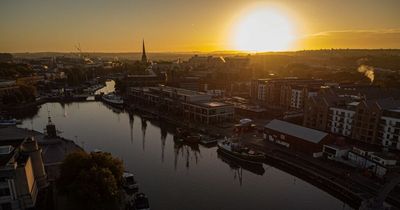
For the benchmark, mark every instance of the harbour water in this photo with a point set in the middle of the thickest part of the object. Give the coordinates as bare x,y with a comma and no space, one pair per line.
179,177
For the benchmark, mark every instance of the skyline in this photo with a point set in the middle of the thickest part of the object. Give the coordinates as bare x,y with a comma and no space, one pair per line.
187,26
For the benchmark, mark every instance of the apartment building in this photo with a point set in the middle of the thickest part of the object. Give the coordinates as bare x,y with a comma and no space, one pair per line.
341,118
372,121
316,111
285,93
389,128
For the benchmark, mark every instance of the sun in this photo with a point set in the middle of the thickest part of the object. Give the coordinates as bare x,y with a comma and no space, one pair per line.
263,29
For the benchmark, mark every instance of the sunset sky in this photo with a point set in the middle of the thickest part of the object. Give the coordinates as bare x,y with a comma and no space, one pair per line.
186,25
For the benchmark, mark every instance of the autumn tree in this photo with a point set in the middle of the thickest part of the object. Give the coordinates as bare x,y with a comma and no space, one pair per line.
91,181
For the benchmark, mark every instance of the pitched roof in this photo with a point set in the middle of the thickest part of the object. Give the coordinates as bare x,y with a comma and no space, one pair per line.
298,131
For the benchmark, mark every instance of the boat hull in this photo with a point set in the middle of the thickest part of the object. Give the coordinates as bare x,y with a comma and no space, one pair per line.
254,159
113,102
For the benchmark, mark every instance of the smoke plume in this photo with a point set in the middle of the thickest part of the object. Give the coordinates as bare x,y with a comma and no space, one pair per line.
368,71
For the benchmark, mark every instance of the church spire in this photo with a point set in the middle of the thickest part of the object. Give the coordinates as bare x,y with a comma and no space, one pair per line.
144,57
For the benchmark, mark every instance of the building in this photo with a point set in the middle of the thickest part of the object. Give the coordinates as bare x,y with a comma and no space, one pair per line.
335,152
285,93
316,111
367,120
257,90
209,112
22,173
341,118
144,56
367,158
296,137
389,128
52,148
375,162
191,105
150,78
371,121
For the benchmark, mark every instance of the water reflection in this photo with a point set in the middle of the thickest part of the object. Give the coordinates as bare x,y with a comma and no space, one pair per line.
164,133
186,152
186,172
144,126
131,121
237,166
257,169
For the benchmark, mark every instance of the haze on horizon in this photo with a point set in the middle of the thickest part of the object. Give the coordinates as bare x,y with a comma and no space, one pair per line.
184,26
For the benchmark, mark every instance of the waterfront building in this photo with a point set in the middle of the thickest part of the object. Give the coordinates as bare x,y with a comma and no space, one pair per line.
370,159
336,152
209,112
192,105
376,162
296,137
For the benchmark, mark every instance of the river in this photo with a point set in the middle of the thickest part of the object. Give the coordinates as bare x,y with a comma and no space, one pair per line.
179,177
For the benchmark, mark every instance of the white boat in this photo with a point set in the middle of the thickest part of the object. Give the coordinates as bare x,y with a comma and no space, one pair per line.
9,122
112,99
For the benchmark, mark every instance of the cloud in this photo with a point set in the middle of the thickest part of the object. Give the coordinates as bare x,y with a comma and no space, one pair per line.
382,38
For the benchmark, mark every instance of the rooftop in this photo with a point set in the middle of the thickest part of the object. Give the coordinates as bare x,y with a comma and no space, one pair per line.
298,131
54,149
179,91
212,104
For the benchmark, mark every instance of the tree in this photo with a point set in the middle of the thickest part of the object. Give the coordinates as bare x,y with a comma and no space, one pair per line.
120,86
91,181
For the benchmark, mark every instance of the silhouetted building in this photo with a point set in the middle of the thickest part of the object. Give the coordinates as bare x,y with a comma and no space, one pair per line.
144,56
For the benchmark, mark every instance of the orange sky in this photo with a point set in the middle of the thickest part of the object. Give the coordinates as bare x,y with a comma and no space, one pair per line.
185,25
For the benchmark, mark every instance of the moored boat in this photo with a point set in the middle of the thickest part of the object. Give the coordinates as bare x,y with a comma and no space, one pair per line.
235,163
129,182
112,99
237,151
141,202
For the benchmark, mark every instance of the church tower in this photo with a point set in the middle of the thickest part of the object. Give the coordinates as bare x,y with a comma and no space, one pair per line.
144,57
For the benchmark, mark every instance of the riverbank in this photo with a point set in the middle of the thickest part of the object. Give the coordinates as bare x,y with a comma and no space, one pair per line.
340,180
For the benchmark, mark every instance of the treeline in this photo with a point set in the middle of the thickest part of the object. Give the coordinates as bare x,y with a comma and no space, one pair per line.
13,70
24,94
